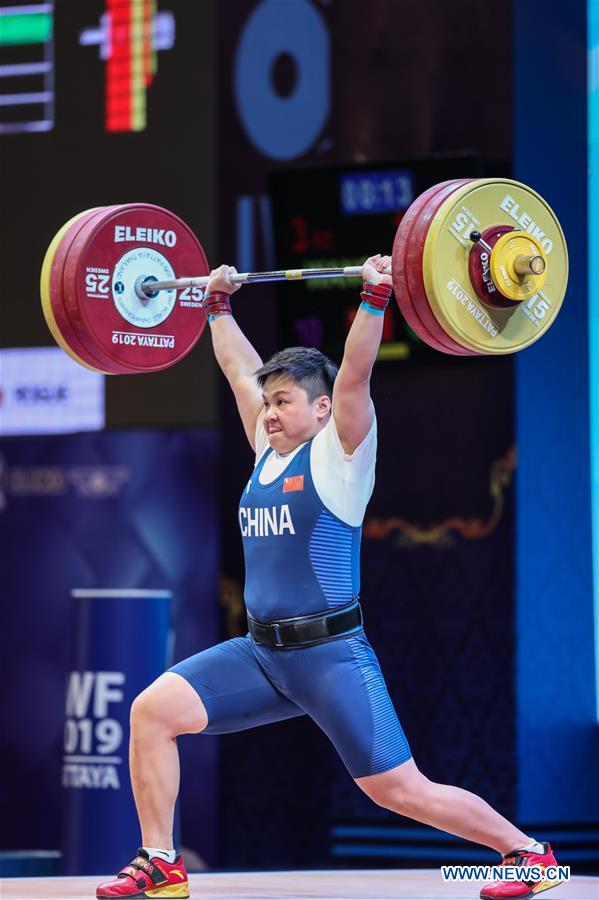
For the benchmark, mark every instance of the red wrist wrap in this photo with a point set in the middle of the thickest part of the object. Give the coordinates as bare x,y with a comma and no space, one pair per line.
217,303
376,295
381,290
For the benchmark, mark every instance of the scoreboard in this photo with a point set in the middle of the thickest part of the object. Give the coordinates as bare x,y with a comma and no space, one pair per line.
26,67
338,217
128,35
90,96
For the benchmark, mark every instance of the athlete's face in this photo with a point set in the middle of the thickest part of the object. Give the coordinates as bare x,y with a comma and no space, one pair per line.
290,418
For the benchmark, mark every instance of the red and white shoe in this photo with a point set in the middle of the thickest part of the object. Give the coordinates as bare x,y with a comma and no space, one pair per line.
504,890
145,877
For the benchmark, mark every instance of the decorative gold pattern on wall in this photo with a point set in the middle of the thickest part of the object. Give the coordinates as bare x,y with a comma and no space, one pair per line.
500,477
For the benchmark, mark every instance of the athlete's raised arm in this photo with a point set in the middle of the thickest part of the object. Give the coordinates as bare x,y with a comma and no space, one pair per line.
352,407
234,353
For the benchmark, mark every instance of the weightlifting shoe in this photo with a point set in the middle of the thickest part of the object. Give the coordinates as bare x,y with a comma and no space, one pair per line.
505,890
148,877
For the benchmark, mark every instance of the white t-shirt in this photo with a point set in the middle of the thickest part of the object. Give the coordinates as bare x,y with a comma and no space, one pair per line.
343,481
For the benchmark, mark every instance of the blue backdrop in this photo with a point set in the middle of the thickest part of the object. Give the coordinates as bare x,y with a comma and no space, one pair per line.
121,509
558,737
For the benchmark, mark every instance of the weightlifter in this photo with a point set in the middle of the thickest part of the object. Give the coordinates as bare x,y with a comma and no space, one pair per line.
313,430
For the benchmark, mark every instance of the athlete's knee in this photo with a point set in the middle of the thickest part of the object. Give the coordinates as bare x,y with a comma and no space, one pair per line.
170,705
400,789
142,710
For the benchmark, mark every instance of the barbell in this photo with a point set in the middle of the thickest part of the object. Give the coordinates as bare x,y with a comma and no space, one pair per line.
480,267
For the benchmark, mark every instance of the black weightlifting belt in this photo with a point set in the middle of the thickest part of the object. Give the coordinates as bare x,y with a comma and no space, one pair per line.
305,631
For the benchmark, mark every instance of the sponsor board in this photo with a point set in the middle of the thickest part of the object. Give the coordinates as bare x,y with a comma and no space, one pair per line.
43,391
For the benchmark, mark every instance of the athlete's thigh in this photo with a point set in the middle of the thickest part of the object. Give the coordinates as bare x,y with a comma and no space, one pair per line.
344,691
234,689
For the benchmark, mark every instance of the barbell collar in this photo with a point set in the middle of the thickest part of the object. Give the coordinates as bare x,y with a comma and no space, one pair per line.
477,238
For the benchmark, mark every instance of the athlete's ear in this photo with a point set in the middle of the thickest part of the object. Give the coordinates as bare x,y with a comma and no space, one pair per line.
323,406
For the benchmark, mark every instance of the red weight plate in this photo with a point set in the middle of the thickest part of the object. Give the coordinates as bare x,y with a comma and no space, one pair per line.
88,347
108,256
400,284
414,269
57,291
401,244
480,272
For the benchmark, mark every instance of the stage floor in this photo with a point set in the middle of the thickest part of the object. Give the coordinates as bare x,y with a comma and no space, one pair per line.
369,884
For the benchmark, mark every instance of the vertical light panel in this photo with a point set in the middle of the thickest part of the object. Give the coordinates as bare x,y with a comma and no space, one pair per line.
130,63
129,35
593,137
118,66
138,54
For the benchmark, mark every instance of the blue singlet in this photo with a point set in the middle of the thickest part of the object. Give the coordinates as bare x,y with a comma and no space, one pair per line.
300,559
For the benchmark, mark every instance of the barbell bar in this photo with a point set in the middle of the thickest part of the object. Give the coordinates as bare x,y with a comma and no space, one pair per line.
145,288
479,268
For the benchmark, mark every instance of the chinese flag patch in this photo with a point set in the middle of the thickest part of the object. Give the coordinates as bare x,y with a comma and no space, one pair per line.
293,484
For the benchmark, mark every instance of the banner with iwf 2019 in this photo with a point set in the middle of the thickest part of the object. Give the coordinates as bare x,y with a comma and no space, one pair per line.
133,511
110,668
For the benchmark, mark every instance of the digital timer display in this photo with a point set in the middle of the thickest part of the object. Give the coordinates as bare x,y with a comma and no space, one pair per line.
366,193
337,216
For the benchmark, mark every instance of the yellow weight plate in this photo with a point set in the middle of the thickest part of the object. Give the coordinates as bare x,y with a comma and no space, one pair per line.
474,207
46,297
507,251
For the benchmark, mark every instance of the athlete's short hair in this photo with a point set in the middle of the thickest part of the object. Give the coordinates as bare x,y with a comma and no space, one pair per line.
307,367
